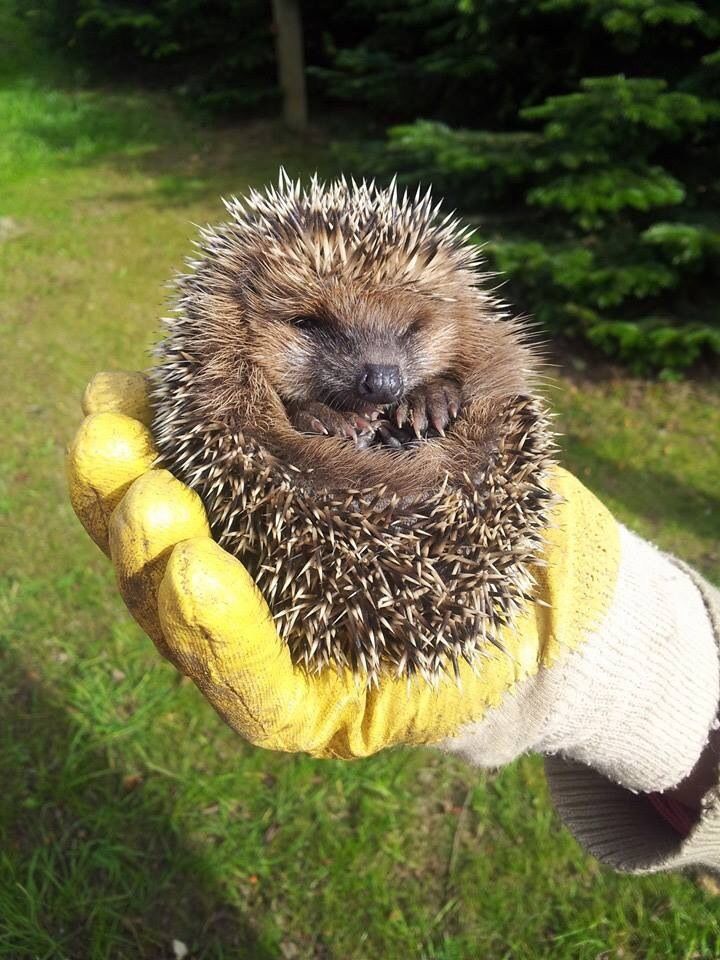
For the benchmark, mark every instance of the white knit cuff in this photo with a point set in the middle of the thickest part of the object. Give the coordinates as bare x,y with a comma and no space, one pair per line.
635,702
640,695
621,828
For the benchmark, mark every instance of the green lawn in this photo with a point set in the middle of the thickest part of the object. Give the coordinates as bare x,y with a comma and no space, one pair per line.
129,815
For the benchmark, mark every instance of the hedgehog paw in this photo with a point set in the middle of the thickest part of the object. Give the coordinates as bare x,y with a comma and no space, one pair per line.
431,407
319,419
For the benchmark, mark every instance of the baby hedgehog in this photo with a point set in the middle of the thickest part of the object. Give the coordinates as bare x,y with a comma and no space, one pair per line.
356,410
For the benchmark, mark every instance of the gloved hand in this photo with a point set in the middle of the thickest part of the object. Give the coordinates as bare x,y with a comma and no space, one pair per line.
603,669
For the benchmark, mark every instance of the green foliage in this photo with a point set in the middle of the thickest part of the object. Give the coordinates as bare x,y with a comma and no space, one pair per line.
472,168
583,135
609,189
584,273
632,18
436,57
478,62
684,243
654,342
220,55
611,119
594,194
614,116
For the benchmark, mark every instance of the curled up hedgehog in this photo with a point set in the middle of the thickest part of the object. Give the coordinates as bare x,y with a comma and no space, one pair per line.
357,412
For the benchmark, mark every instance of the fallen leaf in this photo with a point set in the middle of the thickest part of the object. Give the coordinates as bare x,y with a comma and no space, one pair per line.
10,228
131,780
709,884
271,833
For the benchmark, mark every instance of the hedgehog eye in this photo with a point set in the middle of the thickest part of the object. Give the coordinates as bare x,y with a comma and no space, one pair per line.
307,321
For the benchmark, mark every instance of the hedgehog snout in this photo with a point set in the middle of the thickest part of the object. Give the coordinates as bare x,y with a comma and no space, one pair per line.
380,382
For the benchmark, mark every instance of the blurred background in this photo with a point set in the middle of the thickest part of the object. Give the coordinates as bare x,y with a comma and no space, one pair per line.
582,138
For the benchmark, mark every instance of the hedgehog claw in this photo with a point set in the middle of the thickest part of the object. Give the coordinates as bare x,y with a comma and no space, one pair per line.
418,416
363,425
434,405
368,411
318,427
317,418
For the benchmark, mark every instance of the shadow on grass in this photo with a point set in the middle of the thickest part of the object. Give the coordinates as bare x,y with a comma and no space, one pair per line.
93,865
51,120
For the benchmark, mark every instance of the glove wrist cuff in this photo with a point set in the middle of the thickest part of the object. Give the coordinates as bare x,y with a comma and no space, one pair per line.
635,701
639,697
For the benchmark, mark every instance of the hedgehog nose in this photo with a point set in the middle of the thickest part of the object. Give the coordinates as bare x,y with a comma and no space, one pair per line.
380,382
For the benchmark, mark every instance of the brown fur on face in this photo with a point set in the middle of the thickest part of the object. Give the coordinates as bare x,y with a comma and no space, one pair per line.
298,291
318,352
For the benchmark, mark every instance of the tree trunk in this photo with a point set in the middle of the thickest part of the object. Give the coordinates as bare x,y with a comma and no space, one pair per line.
291,62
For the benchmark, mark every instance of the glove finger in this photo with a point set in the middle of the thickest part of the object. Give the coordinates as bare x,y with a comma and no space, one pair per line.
156,513
109,452
221,634
119,391
219,631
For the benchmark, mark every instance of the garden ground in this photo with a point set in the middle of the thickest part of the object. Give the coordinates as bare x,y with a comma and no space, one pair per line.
129,815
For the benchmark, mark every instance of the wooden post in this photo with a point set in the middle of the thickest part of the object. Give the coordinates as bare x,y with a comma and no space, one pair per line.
291,62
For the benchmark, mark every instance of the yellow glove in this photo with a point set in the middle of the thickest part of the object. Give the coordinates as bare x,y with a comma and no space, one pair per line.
204,613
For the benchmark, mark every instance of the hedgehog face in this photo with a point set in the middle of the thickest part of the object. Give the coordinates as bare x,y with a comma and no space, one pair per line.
342,350
341,294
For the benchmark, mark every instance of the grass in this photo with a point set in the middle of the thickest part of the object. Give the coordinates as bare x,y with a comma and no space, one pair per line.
129,815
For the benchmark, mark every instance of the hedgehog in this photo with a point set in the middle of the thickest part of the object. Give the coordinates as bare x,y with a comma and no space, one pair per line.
359,413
